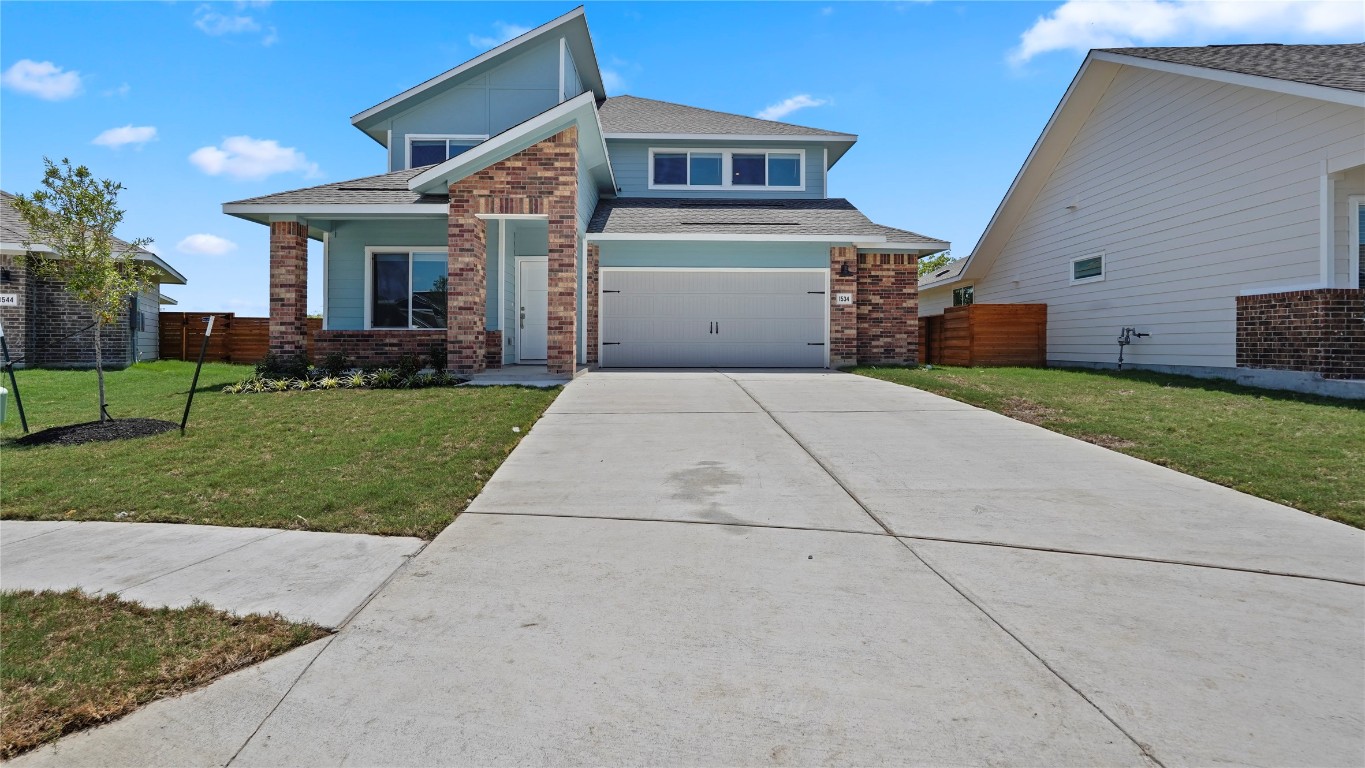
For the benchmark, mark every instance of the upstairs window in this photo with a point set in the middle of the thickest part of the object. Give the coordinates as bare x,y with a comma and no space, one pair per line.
726,169
1087,269
408,289
431,149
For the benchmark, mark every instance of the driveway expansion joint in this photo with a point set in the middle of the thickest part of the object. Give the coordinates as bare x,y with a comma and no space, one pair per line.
1143,748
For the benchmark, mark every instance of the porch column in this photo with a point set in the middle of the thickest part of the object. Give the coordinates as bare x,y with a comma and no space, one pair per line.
843,317
561,204
467,296
288,287
888,309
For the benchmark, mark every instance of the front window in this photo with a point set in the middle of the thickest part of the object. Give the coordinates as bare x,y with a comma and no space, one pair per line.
408,289
722,169
430,150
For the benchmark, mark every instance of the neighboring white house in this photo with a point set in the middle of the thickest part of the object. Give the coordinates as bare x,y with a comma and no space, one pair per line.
1170,182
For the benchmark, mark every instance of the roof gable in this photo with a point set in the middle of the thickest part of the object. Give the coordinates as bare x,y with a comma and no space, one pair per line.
1329,66
572,27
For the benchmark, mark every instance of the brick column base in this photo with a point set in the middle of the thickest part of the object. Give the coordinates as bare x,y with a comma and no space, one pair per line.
288,287
888,309
590,318
492,354
843,318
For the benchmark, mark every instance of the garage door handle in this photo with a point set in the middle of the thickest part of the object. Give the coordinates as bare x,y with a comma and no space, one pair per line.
717,329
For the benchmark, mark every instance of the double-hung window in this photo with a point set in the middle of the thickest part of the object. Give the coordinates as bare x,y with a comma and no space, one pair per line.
426,149
407,288
725,169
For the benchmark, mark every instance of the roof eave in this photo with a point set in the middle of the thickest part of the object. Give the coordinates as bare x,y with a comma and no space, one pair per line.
171,274
1274,84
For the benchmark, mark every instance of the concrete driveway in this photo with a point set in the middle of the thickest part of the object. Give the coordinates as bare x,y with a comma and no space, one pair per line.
702,568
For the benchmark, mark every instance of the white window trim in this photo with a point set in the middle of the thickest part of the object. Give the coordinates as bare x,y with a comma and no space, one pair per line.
1353,205
411,137
726,169
1071,269
370,251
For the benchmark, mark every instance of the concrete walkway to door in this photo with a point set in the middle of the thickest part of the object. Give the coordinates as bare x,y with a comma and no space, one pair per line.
708,568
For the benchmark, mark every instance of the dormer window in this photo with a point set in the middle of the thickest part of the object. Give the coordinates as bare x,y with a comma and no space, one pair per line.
700,169
429,149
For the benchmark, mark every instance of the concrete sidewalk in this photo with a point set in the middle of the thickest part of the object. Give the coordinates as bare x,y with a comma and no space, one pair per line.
685,568
304,576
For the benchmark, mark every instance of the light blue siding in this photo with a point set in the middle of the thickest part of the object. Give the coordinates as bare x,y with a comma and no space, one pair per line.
484,104
587,198
743,255
630,162
346,261
573,82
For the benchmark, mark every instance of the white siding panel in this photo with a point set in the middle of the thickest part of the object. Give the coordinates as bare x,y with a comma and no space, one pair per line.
1194,190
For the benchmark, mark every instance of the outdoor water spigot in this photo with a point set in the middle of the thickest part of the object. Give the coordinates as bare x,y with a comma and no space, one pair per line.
1126,336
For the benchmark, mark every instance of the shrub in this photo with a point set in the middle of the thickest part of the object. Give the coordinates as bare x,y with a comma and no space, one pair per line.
301,384
437,353
276,385
407,366
269,366
335,363
328,382
356,380
384,378
274,366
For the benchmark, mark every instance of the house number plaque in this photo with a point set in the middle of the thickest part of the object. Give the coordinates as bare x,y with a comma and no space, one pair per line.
9,299
843,298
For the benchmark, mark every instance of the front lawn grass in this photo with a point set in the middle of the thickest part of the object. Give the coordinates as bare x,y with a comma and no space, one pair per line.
1303,451
69,661
394,462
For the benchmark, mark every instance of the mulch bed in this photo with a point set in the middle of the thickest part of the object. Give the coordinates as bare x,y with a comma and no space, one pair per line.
98,432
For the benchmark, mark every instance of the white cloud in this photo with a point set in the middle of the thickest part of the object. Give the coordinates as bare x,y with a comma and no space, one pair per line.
122,90
215,23
272,36
827,11
206,245
116,138
1079,25
504,33
613,81
787,106
42,79
243,157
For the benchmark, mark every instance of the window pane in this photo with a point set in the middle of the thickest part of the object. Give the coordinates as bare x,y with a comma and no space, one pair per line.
458,146
748,169
705,170
390,308
670,169
962,296
429,280
1092,267
428,152
784,170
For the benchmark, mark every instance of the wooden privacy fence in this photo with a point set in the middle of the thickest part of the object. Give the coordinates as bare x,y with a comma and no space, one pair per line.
234,340
985,334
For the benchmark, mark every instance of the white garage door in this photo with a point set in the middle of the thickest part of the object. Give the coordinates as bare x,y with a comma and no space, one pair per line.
696,318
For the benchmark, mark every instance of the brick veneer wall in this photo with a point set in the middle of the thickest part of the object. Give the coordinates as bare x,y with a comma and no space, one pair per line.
288,287
592,286
15,319
843,318
376,347
542,179
1320,331
888,309
493,354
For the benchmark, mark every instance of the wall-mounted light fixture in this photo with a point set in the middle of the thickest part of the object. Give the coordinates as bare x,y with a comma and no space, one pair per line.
845,270
5,276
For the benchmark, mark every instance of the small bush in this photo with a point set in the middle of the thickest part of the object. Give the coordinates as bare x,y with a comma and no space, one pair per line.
301,384
335,363
328,382
274,366
437,353
407,366
357,380
384,378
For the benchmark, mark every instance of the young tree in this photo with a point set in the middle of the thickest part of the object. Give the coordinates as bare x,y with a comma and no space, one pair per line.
74,215
930,264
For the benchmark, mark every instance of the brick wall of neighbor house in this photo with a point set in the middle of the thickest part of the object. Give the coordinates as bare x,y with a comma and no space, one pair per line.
843,318
591,287
888,309
376,347
542,179
15,319
1320,331
288,287
493,354
60,334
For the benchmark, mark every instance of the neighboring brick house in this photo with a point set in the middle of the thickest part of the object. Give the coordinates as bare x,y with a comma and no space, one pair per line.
1210,196
527,218
45,326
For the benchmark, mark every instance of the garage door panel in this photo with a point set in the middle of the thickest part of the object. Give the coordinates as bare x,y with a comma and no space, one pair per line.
704,318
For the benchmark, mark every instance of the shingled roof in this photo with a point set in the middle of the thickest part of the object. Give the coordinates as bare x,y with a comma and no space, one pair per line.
14,231
1330,66
666,215
632,114
384,189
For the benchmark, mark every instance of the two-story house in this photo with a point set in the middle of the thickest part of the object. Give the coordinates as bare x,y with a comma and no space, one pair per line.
528,218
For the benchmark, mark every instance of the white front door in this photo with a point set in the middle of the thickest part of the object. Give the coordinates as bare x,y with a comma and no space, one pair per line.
533,291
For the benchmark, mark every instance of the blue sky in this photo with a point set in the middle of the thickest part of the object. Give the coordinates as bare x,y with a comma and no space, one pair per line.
947,97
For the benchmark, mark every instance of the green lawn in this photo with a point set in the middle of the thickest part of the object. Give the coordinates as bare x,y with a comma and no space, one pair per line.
70,661
396,462
1304,451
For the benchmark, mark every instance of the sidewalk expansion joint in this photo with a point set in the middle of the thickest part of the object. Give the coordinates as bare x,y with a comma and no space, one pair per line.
198,562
